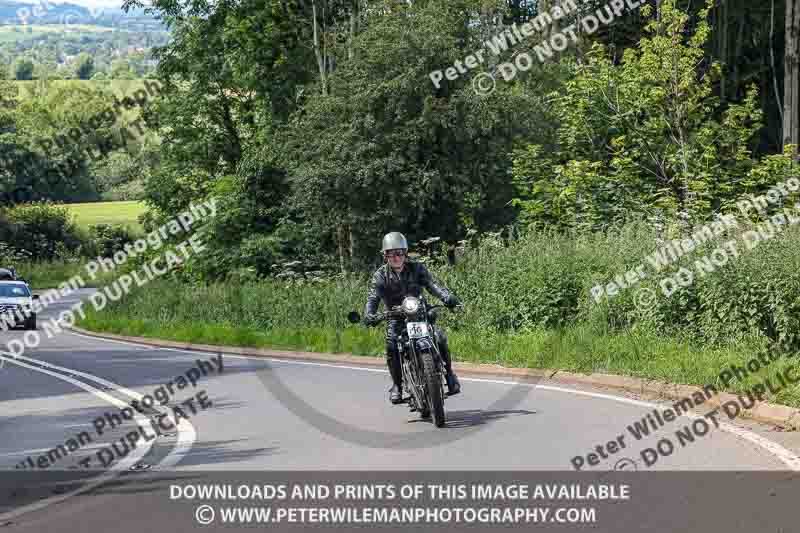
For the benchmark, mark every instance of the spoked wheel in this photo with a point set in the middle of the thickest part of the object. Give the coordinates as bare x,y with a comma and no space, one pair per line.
433,382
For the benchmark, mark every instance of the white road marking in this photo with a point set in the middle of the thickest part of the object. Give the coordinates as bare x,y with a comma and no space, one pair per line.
186,432
187,435
112,472
786,456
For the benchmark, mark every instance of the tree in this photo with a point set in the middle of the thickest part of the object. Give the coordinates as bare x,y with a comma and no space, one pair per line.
121,70
57,134
22,69
791,98
382,150
648,132
84,66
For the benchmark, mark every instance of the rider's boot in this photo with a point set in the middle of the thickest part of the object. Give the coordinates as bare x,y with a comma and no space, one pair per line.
396,392
453,385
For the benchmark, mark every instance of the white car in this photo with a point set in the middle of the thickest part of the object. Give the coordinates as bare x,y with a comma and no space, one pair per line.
16,301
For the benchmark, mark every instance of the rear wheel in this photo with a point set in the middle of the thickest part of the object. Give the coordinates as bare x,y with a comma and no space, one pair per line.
433,382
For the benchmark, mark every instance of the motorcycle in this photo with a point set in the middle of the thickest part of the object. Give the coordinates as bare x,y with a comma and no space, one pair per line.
422,365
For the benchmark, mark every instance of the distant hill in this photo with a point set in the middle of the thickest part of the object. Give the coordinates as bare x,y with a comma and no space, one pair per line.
46,12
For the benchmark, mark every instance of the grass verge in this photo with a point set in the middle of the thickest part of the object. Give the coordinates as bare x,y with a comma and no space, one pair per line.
42,275
576,349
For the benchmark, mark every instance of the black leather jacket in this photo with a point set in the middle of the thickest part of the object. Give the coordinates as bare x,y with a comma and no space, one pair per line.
392,288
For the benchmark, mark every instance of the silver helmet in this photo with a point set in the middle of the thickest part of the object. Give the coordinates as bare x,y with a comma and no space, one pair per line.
394,241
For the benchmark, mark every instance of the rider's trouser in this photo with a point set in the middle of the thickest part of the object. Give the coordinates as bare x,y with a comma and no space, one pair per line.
394,328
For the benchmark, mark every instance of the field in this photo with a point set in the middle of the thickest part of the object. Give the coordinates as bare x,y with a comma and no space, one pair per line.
125,213
121,88
15,33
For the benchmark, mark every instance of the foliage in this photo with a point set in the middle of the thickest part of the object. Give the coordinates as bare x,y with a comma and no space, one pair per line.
53,51
539,281
646,136
43,230
64,143
22,69
84,66
317,129
386,150
111,238
10,255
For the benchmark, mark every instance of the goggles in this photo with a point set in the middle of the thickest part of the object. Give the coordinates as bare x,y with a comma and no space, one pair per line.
394,253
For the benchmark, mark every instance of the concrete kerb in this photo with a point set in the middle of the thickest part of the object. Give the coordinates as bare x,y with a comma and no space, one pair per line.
778,415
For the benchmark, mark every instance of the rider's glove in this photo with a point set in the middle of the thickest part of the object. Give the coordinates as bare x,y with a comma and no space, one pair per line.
451,302
371,320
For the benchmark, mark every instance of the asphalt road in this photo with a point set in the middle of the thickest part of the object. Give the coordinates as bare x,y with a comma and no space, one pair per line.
263,416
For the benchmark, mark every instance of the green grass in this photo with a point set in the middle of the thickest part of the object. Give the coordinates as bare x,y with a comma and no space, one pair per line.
121,88
527,304
42,275
312,318
575,349
54,28
124,213
45,274
8,33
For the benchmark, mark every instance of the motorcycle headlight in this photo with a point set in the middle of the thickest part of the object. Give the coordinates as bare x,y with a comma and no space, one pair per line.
410,305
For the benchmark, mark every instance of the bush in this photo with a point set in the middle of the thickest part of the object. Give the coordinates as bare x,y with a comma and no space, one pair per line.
42,229
110,238
541,281
10,256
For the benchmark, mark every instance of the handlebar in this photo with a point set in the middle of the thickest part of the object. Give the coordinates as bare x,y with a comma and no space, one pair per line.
397,312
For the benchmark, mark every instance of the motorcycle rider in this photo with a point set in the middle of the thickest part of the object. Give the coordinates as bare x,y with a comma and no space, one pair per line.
392,282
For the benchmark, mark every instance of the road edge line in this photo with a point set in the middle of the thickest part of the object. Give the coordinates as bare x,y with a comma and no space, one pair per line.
774,414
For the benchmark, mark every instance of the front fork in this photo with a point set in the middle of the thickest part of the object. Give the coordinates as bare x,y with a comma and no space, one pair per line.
412,371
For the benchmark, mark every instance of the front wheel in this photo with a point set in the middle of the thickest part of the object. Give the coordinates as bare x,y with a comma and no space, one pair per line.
433,382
